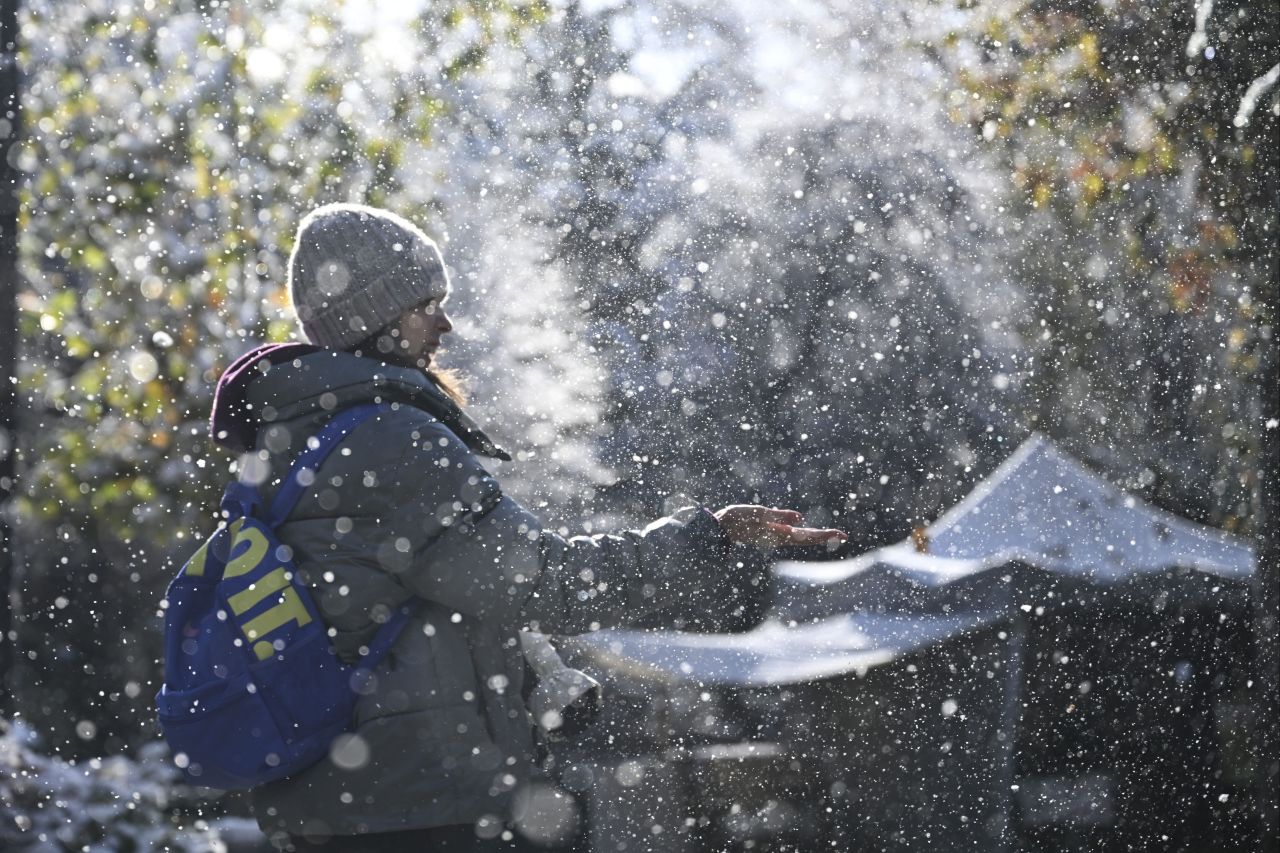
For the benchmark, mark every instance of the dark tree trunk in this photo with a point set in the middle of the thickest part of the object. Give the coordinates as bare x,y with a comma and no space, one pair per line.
9,131
1266,622
1267,589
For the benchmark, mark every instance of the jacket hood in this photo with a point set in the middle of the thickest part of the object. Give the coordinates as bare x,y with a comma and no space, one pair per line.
232,422
278,382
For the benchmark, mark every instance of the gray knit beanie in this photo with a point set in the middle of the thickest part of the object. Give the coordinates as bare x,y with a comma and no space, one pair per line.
355,269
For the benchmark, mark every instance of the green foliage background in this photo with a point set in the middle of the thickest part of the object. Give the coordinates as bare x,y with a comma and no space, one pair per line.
1146,222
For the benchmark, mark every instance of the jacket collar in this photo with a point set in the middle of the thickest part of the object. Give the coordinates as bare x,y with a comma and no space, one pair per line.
285,381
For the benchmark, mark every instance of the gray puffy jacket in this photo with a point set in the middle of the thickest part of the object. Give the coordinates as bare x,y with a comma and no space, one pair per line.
404,508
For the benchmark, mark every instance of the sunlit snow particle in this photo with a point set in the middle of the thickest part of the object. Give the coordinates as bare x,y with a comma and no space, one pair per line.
264,66
546,815
949,707
349,751
143,366
629,773
333,277
489,826
623,85
254,468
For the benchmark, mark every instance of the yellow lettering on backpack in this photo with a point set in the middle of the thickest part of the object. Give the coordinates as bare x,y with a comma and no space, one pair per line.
244,600
195,566
289,608
252,555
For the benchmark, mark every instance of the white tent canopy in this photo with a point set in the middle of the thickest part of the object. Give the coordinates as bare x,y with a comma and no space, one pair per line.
1040,518
774,654
1039,515
1043,508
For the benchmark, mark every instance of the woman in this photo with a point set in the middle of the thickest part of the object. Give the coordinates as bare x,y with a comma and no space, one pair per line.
443,742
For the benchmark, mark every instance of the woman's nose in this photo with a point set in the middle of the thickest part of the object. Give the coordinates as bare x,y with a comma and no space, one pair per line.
442,321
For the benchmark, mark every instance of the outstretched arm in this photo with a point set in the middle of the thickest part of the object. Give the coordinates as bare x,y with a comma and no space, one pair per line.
483,554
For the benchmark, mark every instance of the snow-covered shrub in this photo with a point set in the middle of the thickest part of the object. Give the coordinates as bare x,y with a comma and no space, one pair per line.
112,804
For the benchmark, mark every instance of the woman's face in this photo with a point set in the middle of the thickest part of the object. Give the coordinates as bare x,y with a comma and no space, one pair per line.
421,329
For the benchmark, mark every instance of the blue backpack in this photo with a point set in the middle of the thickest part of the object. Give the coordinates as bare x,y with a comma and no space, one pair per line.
253,690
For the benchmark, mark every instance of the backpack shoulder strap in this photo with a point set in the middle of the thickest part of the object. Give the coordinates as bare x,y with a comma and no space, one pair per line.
302,472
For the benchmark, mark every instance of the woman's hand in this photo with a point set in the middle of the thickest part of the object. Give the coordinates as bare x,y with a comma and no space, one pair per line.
766,527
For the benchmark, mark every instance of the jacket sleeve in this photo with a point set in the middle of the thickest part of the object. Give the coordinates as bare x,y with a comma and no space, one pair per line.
481,553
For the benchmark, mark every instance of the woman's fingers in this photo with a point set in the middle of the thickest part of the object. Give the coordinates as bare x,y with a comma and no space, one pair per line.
770,527
762,514
817,536
789,535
